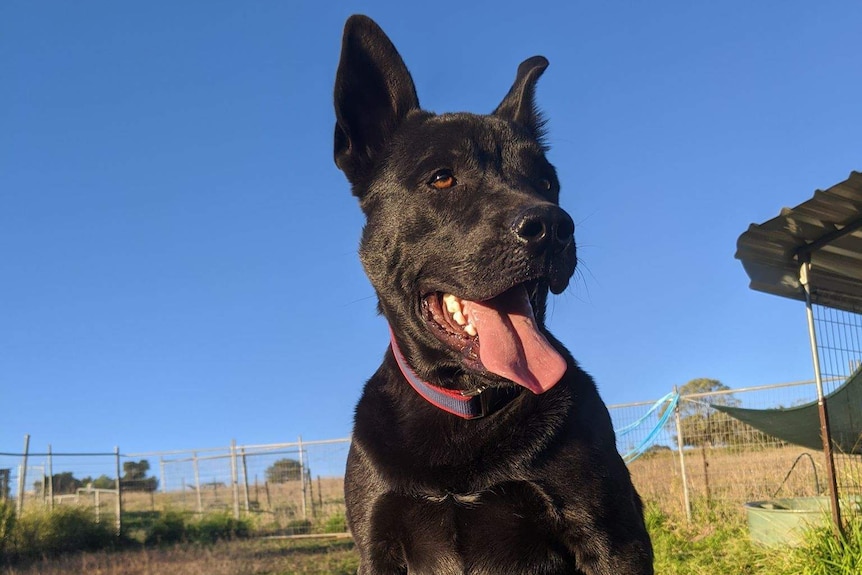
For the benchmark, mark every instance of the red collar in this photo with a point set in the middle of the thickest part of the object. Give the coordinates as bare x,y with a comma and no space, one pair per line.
464,404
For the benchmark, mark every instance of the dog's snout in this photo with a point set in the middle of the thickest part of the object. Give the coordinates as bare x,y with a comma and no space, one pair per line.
544,228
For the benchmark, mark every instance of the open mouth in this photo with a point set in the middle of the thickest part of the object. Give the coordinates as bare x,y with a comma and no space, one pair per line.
499,335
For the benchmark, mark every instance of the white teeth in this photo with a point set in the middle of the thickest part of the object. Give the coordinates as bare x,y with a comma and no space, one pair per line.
453,306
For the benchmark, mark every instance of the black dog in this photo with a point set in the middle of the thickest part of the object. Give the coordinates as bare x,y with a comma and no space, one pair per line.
479,447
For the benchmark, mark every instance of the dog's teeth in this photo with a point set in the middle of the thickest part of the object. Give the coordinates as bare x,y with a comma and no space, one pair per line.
453,304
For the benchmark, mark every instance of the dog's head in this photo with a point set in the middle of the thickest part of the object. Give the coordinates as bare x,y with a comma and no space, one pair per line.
464,235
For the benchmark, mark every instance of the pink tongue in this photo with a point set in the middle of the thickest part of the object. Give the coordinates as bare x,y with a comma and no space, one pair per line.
510,345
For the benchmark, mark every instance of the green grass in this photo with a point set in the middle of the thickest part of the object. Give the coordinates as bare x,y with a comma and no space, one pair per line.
707,548
825,554
716,543
720,545
174,527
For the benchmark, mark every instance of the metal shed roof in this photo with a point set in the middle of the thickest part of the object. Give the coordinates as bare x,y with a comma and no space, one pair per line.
828,230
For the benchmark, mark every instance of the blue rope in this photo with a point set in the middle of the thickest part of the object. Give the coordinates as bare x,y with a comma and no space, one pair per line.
671,399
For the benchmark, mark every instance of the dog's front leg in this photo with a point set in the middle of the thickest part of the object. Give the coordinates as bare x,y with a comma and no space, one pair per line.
601,514
364,494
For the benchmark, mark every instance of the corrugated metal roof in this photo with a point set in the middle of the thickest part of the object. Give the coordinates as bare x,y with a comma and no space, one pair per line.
828,229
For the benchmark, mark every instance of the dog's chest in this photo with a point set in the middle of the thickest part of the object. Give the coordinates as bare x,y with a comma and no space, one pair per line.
508,529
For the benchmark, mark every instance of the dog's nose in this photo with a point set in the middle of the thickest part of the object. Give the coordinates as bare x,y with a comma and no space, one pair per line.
544,228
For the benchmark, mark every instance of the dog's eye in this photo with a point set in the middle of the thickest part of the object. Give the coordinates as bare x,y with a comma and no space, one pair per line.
545,184
441,180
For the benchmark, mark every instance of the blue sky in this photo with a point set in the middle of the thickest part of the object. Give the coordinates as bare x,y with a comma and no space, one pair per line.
178,249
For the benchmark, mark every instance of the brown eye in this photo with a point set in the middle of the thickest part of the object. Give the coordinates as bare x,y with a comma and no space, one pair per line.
545,184
442,180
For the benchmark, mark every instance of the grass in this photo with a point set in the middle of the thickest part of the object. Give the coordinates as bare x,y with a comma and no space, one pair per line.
716,544
275,509
238,557
824,554
174,527
724,547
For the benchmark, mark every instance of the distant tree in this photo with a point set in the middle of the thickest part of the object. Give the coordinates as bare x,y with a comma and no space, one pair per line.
655,449
284,470
701,424
62,484
134,470
135,476
104,482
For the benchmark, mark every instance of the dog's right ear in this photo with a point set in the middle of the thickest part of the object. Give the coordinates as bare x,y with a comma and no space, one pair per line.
519,105
373,93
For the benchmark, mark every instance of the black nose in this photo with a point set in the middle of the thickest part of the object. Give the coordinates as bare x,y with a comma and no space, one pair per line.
544,228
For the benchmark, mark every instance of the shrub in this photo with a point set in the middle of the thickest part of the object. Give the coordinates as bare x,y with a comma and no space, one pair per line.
212,528
7,526
42,532
173,527
169,527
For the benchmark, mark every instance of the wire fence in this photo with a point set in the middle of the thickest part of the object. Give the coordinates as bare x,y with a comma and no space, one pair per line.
703,459
684,455
287,488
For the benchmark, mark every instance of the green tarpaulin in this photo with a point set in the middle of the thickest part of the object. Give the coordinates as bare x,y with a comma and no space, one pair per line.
800,425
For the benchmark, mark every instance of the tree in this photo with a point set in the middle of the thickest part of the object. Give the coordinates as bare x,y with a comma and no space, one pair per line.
135,470
656,449
701,424
62,484
103,482
135,476
284,470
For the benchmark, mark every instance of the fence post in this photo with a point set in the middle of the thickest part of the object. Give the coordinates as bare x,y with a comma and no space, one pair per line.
825,431
679,446
162,473
119,493
22,477
50,479
198,483
245,480
234,480
302,478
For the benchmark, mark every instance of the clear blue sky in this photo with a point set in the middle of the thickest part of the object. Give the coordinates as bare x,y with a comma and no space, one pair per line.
178,259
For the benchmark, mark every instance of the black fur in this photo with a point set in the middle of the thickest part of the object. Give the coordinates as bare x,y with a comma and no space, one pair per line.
538,486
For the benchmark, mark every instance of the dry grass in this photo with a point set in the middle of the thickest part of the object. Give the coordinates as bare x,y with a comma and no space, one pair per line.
273,508
261,496
729,477
251,557
720,481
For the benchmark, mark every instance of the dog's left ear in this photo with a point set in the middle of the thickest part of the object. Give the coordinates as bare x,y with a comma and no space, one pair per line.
374,92
519,105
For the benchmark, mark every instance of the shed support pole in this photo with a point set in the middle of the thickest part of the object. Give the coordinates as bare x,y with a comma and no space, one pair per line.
825,431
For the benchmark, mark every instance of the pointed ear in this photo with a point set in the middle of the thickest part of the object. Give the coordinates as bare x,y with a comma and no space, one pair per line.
373,94
519,105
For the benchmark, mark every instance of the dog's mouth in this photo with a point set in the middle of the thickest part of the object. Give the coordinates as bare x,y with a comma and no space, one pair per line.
499,335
